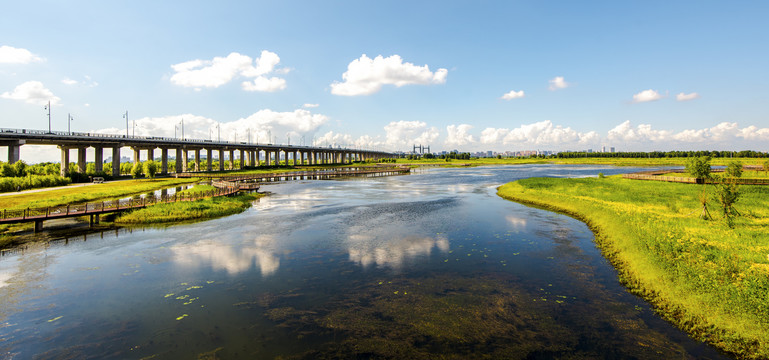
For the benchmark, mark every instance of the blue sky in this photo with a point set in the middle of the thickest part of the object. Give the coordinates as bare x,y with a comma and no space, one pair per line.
652,75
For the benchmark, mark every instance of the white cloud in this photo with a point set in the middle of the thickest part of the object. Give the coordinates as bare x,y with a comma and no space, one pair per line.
646,96
264,84
458,135
558,83
87,82
366,76
12,55
642,133
513,95
32,92
687,97
221,70
538,133
722,135
309,106
402,134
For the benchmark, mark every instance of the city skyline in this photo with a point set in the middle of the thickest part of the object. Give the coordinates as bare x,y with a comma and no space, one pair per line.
496,76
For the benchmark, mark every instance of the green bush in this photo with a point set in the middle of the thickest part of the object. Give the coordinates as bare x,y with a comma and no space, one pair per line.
8,184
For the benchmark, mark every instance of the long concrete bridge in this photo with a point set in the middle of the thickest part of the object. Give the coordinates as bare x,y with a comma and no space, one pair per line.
249,154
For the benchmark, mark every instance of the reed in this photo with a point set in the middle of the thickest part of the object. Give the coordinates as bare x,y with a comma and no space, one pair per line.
706,278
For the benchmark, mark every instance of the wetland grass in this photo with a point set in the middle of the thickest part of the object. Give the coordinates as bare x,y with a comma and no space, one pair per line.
708,279
202,209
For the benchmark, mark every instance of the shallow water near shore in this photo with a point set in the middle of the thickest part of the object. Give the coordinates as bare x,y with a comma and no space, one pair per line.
432,264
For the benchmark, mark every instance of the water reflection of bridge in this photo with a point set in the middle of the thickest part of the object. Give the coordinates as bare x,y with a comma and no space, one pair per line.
247,153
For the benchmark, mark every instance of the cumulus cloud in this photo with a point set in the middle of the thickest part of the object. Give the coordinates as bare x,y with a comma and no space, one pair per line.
309,106
366,76
32,92
723,135
402,134
86,82
558,83
513,95
222,70
538,133
646,96
459,135
687,97
12,55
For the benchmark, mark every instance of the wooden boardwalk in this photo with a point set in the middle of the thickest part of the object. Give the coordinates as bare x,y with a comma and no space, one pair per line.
95,209
656,175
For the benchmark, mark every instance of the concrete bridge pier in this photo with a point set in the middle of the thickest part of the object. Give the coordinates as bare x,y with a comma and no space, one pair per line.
241,159
232,160
14,147
164,161
64,167
197,159
98,158
137,155
179,161
151,154
38,226
209,159
221,159
81,160
116,161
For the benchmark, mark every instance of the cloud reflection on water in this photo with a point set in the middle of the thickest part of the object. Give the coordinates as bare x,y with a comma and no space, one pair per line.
233,259
367,249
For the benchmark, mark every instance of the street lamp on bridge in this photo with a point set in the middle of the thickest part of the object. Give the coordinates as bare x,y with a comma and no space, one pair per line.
69,120
126,123
48,107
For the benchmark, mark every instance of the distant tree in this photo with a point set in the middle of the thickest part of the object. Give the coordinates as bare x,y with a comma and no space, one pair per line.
733,169
727,193
20,167
136,170
7,170
699,168
150,168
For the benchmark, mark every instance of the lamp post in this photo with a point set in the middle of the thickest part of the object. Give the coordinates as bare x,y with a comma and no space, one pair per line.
69,120
182,122
48,107
126,123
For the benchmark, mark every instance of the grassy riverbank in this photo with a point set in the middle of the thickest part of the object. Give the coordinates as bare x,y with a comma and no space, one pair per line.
189,210
81,194
708,279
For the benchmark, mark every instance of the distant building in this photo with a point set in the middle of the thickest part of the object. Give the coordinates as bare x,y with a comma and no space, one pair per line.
612,149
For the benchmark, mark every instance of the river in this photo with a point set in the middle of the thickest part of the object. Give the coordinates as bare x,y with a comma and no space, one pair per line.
431,264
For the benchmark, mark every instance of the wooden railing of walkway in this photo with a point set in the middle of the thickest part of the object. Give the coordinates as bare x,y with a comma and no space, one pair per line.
97,208
656,175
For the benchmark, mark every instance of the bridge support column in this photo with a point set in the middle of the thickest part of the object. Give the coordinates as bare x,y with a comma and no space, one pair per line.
241,159
253,160
14,148
232,159
295,154
93,219
185,160
197,159
179,162
116,161
81,160
64,169
151,154
137,155
98,158
164,161
221,159
209,159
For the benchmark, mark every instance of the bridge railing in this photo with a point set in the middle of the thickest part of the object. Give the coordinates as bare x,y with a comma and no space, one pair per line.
102,136
41,213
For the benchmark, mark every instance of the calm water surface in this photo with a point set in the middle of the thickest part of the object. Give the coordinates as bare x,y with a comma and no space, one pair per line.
426,265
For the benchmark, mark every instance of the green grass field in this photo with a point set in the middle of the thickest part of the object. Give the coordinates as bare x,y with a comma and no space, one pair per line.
189,210
708,279
81,194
